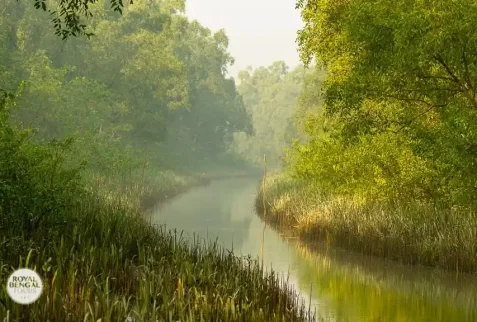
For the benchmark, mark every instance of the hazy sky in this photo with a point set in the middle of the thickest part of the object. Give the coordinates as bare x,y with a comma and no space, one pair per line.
260,31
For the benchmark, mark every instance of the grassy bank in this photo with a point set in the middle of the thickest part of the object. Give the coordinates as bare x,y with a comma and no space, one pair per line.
144,191
405,231
102,262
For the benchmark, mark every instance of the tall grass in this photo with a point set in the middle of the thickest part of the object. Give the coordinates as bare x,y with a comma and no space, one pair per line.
149,186
404,230
104,263
143,191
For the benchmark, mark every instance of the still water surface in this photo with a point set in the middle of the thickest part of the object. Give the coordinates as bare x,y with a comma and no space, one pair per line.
342,286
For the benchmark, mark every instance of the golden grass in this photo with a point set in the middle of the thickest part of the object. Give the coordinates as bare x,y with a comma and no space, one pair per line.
407,231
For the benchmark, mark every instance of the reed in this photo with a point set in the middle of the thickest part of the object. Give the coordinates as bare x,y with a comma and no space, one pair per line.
406,231
104,263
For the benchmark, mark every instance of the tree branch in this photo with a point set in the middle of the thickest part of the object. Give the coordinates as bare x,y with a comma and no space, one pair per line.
409,122
447,68
464,87
435,77
432,89
414,100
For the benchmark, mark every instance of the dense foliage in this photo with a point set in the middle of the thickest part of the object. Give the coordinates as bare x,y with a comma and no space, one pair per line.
150,85
387,164
399,101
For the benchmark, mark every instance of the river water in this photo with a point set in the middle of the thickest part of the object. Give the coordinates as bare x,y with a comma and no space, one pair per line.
341,286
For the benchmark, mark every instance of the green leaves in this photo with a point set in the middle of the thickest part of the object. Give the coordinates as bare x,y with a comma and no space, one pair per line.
40,4
4,97
151,80
396,53
398,71
68,16
34,181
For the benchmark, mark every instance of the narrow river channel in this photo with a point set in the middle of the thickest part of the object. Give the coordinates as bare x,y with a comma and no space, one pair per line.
344,286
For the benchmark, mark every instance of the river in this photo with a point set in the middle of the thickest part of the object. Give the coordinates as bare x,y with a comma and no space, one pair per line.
342,286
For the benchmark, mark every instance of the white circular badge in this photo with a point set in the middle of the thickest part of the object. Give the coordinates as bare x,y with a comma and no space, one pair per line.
24,286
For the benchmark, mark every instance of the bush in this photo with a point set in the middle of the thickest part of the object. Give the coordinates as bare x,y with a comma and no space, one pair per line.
35,187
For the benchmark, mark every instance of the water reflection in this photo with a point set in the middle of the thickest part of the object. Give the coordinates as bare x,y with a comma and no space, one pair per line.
366,289
344,286
218,211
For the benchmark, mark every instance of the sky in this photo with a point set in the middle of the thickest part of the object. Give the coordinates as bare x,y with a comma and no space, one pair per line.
260,31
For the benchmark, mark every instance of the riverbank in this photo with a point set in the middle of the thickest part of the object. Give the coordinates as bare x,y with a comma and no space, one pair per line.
407,232
98,258
160,185
105,263
102,261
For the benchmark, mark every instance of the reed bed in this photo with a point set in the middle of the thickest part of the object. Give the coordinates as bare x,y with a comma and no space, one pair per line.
157,185
143,191
406,231
102,262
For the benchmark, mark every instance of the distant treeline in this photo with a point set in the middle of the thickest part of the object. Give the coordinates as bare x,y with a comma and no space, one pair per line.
149,85
272,96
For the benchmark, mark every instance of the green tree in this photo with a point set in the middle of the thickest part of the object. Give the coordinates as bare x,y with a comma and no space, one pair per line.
157,82
401,88
270,95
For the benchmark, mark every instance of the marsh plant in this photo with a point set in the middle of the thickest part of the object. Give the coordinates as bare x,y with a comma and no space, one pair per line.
407,231
105,263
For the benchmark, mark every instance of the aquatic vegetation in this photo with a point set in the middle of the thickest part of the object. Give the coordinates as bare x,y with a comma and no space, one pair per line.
104,262
406,231
143,192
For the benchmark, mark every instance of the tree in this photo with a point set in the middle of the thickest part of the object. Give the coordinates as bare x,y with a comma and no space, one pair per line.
390,51
68,15
401,89
270,96
157,82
